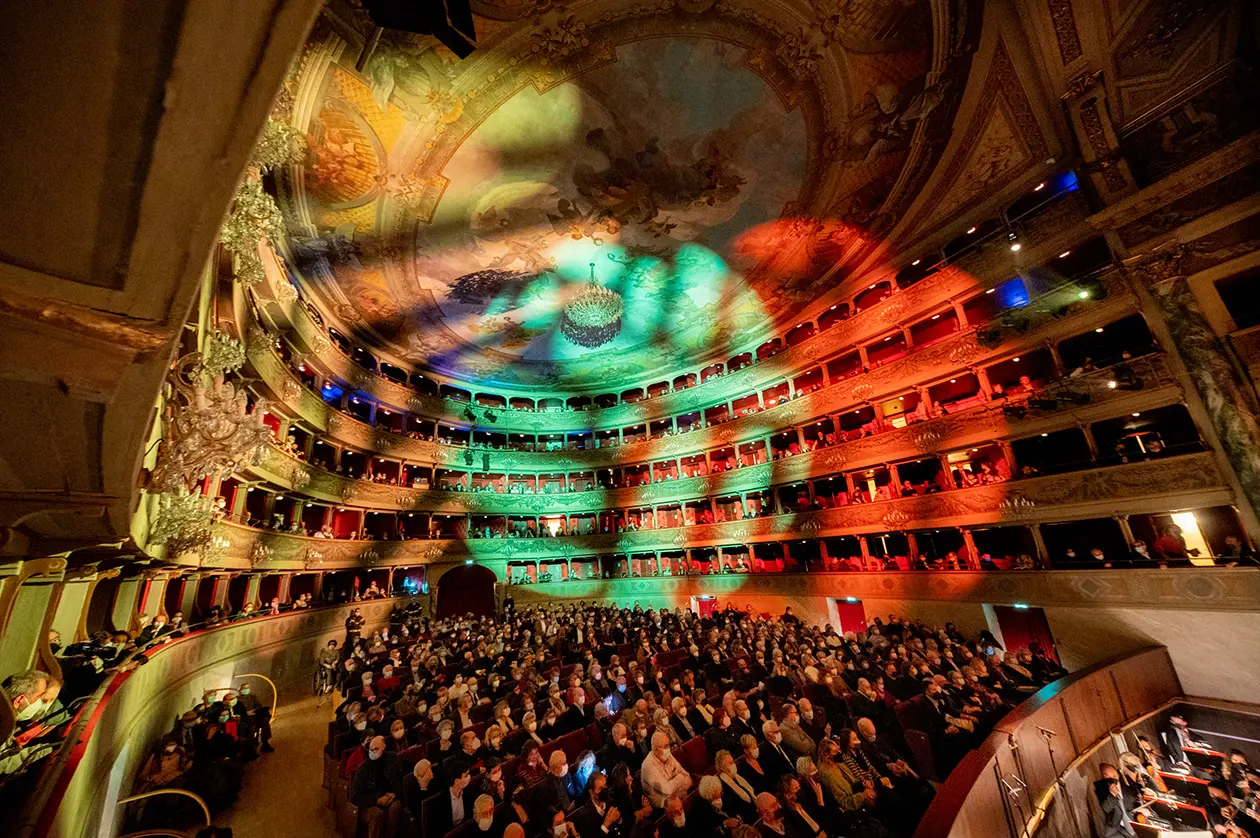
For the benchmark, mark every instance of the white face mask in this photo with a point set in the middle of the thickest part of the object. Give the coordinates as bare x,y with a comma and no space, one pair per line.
446,734
680,821
484,824
559,830
375,754
755,753
361,724
31,710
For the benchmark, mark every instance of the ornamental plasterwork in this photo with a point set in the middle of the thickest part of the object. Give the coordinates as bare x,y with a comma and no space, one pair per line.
1044,499
980,426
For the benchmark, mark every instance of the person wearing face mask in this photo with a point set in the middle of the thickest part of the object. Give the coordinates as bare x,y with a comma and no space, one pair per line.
446,746
483,816
558,791
397,740
795,739
165,766
661,774
470,749
711,816
598,817
153,631
258,716
616,699
674,822
743,722
813,720
577,715
561,827
455,804
738,793
722,736
531,769
775,758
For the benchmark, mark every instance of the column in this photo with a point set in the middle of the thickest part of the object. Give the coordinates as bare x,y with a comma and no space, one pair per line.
912,547
251,590
960,313
389,584
1125,529
1221,403
1039,542
30,615
1056,360
905,335
894,482
1090,442
866,550
982,376
286,581
72,605
1008,454
866,362
973,557
126,604
236,509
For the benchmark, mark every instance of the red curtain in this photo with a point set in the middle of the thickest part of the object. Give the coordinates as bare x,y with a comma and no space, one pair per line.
852,616
464,589
346,523
706,607
1021,626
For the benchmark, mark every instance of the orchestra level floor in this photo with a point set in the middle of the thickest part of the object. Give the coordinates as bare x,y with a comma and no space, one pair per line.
283,793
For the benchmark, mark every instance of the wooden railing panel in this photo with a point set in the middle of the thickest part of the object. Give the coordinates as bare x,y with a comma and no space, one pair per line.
1081,708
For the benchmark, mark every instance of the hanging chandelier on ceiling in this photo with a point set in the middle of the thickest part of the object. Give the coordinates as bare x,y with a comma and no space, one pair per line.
593,316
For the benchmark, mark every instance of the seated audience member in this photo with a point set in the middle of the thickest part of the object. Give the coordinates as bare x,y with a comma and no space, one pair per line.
1106,806
558,791
710,817
377,790
661,774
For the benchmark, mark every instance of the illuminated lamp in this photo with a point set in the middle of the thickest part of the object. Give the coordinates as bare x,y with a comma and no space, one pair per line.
1084,295
916,261
851,599
1065,254
1013,238
593,316
1111,385
1039,186
469,561
972,230
1021,606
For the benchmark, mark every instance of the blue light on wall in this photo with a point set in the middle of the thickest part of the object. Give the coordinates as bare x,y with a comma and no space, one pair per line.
1012,293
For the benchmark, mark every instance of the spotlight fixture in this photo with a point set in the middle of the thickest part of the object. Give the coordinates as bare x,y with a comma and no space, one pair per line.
1084,295
1039,186
970,231
1111,385
1013,238
916,261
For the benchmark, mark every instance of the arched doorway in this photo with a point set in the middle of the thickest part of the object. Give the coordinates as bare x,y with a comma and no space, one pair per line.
466,588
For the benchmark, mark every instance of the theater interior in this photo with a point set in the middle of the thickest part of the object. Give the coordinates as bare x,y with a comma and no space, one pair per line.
731,378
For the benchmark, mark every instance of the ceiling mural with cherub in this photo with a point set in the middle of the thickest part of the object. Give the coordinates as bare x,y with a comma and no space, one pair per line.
605,192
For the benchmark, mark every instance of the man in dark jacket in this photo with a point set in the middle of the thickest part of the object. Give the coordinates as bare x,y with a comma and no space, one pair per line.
376,789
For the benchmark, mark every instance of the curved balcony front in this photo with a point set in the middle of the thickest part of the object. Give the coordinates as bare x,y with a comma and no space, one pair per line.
959,352
1183,481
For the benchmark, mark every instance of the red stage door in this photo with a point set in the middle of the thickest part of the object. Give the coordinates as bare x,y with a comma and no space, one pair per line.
852,616
1021,626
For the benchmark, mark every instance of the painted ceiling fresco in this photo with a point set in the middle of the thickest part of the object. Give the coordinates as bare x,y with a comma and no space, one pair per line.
597,199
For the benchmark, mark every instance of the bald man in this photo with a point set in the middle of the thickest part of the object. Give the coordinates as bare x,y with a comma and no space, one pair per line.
376,788
662,775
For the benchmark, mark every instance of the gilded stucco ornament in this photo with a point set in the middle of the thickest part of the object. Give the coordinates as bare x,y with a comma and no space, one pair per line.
208,429
184,523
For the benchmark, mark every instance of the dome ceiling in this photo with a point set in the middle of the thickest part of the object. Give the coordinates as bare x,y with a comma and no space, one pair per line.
609,193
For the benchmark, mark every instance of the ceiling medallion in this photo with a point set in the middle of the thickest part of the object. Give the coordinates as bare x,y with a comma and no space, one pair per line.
593,316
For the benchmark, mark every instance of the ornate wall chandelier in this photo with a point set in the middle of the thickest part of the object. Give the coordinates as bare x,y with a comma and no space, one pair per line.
209,428
593,316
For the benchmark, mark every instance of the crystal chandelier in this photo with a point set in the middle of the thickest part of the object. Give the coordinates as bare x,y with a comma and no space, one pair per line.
183,522
593,316
209,428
